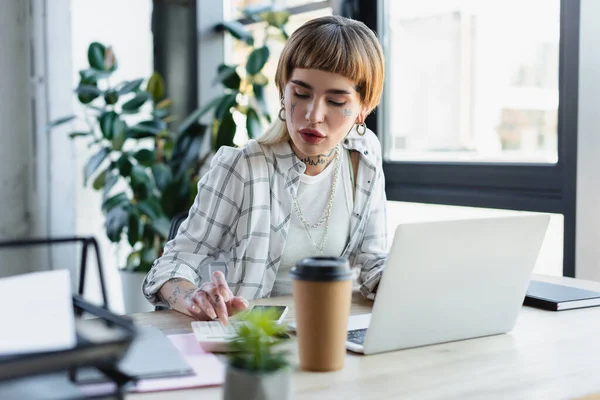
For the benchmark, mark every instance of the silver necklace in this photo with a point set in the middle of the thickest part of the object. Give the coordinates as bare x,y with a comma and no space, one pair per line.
327,212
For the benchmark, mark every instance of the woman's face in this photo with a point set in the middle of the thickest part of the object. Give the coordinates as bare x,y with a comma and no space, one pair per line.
320,109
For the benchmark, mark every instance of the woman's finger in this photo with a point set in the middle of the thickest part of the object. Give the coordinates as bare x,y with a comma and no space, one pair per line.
220,282
220,307
238,304
203,301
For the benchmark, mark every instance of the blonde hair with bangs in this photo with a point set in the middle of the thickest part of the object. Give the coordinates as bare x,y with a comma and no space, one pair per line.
332,44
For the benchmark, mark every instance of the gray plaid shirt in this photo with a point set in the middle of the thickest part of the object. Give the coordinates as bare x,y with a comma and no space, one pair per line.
239,221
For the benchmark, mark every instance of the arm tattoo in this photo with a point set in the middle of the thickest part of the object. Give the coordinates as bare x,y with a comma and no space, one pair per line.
172,299
187,296
347,112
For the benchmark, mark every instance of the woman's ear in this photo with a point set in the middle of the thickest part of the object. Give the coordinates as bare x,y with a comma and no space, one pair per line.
362,115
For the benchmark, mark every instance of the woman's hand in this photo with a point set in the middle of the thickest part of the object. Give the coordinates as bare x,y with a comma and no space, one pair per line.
214,299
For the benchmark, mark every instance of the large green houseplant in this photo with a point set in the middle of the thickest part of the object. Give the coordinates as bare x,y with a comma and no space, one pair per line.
146,163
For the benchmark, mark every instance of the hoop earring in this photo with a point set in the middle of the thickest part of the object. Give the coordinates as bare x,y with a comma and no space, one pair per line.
282,109
361,129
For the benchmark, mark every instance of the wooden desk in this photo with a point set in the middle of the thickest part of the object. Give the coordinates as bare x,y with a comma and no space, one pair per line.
549,355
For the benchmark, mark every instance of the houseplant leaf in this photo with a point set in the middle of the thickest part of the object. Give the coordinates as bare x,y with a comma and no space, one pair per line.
257,60
161,226
119,134
124,165
145,157
228,76
156,87
147,129
88,90
116,218
79,134
162,176
119,199
135,103
60,121
237,30
111,97
96,55
150,207
253,125
109,181
226,132
224,107
107,121
93,163
135,228
259,94
129,86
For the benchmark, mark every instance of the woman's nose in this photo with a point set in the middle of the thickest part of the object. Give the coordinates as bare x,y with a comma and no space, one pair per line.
315,112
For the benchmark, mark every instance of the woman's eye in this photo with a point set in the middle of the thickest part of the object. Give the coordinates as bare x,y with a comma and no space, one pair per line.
337,104
301,95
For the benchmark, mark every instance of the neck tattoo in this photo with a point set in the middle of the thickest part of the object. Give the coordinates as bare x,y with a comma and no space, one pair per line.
320,159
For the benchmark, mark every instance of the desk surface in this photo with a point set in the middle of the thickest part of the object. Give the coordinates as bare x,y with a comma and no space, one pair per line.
549,355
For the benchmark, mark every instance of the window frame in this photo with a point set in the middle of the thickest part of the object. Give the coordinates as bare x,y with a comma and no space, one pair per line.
519,186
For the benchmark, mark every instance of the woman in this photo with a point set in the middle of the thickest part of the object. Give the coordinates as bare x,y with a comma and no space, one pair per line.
311,185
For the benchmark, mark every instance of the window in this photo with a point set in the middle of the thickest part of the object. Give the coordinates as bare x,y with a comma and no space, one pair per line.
472,81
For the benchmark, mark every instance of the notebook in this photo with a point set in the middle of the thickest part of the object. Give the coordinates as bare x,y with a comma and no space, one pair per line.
555,297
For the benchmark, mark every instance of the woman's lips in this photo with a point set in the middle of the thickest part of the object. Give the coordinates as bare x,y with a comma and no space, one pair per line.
311,136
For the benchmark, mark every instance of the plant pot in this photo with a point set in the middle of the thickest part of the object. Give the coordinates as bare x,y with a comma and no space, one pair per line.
133,298
242,384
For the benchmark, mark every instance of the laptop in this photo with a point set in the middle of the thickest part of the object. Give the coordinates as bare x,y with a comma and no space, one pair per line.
451,280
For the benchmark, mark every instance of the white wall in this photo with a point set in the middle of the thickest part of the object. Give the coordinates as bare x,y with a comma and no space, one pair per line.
15,136
587,249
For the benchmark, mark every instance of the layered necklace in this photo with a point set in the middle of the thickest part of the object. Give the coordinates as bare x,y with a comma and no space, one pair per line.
326,213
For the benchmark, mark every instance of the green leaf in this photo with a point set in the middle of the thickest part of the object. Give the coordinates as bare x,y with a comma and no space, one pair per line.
78,134
109,182
145,157
150,207
162,176
161,226
253,125
147,129
226,132
135,228
96,55
259,94
224,107
107,121
119,134
111,97
199,113
238,31
135,103
124,165
100,180
149,254
138,177
257,60
276,18
88,90
60,121
133,259
187,149
156,87
93,163
129,86
160,113
119,199
228,76
116,219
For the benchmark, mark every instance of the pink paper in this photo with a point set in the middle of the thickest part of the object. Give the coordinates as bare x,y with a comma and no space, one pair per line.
209,371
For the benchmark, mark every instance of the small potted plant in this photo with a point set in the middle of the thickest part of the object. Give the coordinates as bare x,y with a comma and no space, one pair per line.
258,367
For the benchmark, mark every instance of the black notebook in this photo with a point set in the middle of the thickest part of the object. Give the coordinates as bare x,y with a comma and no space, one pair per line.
556,297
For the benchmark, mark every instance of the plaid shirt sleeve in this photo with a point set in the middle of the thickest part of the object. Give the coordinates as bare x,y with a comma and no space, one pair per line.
372,250
207,235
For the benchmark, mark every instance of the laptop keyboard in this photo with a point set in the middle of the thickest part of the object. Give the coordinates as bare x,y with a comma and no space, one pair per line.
357,336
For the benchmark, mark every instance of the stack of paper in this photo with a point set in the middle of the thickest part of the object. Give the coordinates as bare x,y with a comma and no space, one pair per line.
37,313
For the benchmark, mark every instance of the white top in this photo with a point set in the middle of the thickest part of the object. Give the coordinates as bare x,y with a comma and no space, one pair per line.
313,196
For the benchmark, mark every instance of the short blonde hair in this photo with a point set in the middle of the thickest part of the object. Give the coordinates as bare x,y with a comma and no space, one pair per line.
331,44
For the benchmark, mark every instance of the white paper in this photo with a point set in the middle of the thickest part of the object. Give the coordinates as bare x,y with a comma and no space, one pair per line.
37,313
